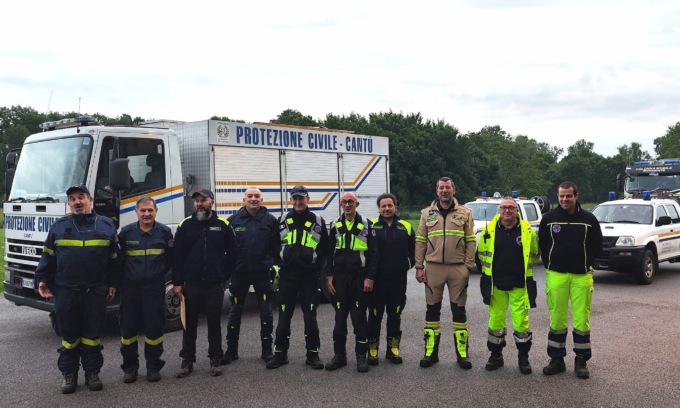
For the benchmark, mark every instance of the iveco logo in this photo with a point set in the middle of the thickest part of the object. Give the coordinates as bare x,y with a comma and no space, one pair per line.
28,250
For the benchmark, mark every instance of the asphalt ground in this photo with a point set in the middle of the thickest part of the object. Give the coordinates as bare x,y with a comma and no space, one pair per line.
635,332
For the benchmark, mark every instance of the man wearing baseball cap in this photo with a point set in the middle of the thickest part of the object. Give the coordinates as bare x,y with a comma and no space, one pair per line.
79,269
303,244
204,252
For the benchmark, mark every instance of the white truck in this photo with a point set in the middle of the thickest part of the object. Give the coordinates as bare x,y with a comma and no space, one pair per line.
638,233
484,208
168,160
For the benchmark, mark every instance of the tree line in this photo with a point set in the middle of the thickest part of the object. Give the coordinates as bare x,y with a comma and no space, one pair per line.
422,150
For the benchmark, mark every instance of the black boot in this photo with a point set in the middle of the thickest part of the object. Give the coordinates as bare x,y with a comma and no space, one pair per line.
338,361
231,354
92,381
555,366
392,350
70,383
267,350
523,360
313,360
523,342
495,361
431,356
362,364
280,358
581,367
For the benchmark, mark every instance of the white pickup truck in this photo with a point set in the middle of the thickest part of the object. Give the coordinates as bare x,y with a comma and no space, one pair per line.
637,235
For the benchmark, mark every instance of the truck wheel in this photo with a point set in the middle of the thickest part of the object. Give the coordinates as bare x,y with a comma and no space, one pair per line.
647,268
543,203
172,309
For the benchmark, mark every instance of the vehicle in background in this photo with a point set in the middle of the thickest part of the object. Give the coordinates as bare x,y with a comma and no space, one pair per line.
661,175
638,233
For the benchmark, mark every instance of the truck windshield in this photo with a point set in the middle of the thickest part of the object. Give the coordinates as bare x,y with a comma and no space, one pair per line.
651,182
48,168
482,211
624,213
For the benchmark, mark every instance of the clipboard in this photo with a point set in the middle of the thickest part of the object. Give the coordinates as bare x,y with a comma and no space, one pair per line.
183,313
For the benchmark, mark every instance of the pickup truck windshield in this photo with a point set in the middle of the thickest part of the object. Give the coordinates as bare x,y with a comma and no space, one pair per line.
48,168
624,214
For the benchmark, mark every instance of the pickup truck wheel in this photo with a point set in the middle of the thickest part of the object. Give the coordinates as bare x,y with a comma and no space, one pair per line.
647,268
172,309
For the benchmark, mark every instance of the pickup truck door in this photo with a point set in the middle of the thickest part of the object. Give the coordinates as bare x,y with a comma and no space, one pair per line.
674,228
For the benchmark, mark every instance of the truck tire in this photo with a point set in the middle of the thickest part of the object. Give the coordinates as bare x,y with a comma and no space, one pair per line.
172,309
543,203
646,270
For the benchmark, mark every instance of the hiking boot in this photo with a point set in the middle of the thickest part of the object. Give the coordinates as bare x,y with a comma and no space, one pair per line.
524,366
280,358
185,369
580,367
70,383
314,361
230,356
215,367
373,352
495,361
153,376
392,351
130,376
555,366
93,382
338,361
362,363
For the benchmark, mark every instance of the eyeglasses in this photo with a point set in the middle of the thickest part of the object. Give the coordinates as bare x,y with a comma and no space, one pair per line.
507,208
347,202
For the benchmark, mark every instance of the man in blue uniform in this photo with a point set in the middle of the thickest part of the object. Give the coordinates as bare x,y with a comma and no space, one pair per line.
258,237
146,247
396,246
203,257
79,268
303,250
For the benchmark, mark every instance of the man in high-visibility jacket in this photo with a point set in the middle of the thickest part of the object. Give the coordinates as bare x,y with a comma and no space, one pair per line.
570,239
79,268
446,241
507,250
352,269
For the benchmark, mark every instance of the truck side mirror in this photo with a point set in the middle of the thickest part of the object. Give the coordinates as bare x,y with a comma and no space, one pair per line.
11,159
119,174
663,220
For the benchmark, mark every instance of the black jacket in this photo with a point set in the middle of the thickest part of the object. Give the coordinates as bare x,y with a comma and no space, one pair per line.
258,239
396,246
569,243
203,250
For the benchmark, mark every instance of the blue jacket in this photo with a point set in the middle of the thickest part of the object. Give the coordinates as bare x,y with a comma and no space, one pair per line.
258,239
147,256
204,251
396,246
81,251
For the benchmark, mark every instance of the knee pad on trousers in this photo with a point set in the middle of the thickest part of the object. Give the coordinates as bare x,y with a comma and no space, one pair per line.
458,313
433,312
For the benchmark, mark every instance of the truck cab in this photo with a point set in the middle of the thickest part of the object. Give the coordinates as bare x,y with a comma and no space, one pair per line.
638,233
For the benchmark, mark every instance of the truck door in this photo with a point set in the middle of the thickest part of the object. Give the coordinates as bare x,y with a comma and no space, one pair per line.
675,228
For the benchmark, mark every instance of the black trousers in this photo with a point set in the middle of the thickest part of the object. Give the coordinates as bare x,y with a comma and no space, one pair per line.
81,315
142,310
238,290
389,295
208,296
309,294
350,299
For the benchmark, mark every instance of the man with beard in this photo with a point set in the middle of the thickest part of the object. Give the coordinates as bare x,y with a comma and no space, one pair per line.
79,268
446,241
204,253
258,237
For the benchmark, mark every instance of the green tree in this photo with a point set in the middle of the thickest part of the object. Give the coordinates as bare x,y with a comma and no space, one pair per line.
293,117
668,145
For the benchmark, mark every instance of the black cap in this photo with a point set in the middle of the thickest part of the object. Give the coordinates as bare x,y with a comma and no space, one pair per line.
204,192
299,191
77,187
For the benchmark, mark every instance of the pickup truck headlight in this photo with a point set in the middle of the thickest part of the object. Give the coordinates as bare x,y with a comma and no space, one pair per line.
625,241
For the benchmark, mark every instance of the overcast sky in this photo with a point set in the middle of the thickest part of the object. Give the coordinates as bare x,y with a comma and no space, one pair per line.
555,71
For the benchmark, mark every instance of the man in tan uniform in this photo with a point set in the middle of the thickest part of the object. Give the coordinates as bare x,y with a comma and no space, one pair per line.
446,241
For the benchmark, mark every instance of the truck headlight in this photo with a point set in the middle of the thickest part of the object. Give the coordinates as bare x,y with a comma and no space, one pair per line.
625,241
